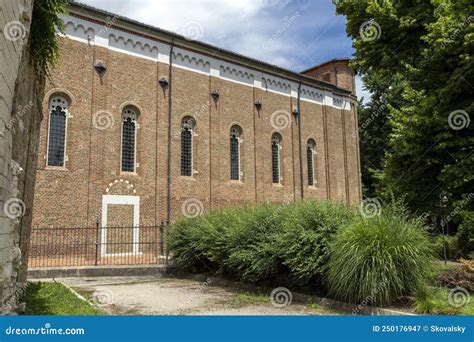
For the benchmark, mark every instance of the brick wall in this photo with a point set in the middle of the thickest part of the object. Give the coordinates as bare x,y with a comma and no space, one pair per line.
72,196
336,72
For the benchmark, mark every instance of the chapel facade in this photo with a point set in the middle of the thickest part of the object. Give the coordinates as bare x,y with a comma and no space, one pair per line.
142,126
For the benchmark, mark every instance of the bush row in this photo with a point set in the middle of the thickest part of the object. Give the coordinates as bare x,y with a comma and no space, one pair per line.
321,245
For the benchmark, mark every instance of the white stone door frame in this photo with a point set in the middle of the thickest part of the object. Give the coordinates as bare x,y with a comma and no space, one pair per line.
124,200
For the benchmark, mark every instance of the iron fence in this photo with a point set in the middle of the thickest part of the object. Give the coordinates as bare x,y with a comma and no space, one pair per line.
82,246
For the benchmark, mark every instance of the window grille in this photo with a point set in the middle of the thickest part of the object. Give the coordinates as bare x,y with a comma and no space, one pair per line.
310,162
235,153
276,143
187,128
57,131
129,129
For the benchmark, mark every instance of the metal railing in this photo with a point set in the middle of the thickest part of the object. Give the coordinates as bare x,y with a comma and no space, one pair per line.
82,246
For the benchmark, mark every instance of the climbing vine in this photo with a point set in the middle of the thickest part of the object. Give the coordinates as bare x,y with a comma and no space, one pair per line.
44,51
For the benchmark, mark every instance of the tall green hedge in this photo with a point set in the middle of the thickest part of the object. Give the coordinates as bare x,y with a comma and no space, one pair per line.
260,244
322,246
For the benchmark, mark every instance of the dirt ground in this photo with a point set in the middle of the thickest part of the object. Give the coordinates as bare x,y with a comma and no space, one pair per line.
170,296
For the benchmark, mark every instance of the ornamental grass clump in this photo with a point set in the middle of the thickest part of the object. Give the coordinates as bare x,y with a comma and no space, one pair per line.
376,260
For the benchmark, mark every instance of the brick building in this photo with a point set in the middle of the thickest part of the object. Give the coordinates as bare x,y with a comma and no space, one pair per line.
143,125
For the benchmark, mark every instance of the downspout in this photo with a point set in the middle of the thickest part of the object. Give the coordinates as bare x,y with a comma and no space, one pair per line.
299,139
170,87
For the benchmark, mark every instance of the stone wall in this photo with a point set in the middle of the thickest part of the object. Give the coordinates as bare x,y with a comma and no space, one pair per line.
20,116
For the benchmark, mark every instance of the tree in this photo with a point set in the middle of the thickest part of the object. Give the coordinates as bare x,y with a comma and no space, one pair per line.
425,49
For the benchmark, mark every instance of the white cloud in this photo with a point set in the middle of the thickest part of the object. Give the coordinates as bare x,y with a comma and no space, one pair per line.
243,26
361,91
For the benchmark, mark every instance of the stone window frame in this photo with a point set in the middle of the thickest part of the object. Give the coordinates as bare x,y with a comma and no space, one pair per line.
132,112
65,101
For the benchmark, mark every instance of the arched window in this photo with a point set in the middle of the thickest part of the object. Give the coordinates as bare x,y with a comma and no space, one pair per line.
276,163
187,127
310,161
129,134
235,153
58,107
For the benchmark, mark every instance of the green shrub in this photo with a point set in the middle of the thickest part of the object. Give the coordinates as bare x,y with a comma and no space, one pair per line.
379,259
297,244
253,253
196,243
265,243
308,232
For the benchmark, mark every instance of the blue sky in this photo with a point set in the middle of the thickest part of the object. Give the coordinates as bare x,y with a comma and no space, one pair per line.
293,34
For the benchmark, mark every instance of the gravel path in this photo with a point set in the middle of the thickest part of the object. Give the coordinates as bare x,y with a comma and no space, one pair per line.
170,296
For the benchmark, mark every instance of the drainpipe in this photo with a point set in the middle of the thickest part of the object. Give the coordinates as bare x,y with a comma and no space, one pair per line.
168,205
299,140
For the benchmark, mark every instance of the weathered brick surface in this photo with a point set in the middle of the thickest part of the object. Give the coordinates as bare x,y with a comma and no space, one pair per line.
73,196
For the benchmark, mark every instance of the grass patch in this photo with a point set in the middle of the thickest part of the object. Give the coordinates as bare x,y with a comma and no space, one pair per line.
313,306
434,301
55,299
248,298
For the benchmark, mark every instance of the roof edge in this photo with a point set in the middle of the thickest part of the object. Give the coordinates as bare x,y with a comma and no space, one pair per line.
327,62
121,22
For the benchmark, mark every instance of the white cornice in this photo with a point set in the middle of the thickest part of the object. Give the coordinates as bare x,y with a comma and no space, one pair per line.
116,40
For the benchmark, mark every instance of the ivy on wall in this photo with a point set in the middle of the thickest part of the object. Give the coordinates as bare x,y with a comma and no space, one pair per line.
44,51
